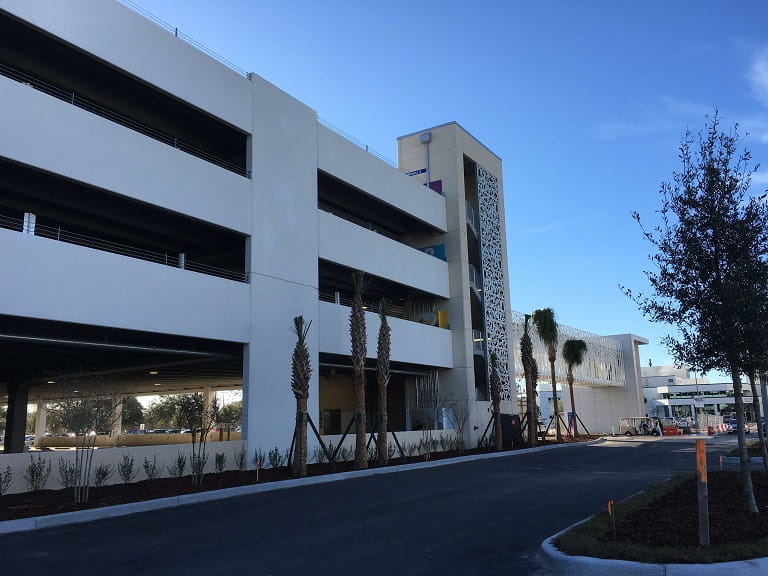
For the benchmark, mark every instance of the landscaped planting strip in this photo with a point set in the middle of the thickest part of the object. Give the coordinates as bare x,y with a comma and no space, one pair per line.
561,563
66,518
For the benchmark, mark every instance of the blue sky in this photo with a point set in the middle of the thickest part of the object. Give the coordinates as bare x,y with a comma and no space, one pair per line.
585,102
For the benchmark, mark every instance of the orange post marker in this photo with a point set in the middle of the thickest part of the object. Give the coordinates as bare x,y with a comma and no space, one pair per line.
611,510
703,492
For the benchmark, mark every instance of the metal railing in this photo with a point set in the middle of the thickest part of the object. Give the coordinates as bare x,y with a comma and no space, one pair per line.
369,226
117,118
188,39
360,222
357,142
165,258
393,311
192,42
474,278
472,219
478,342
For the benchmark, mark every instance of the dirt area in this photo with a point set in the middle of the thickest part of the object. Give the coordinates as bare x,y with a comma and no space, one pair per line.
659,524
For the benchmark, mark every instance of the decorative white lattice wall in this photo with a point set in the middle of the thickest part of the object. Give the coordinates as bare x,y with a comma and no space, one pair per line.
603,363
494,300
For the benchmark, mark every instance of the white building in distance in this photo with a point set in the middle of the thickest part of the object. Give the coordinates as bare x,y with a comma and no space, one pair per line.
679,392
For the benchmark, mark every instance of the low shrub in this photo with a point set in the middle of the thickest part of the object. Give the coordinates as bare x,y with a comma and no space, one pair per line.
37,473
151,469
220,462
5,480
179,466
68,473
127,469
103,473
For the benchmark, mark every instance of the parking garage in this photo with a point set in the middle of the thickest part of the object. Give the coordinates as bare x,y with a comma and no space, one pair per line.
37,356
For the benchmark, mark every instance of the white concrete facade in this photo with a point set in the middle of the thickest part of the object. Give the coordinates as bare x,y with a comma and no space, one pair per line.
303,205
271,202
678,392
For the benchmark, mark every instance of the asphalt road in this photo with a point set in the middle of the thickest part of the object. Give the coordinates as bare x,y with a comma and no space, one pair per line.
486,517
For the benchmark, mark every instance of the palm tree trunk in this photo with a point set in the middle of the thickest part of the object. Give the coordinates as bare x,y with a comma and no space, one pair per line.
533,421
748,490
559,434
361,452
382,447
573,407
300,456
497,425
760,435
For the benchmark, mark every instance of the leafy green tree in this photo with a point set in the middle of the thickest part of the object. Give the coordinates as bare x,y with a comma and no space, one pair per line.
709,253
573,354
133,413
232,413
176,411
546,328
87,406
189,413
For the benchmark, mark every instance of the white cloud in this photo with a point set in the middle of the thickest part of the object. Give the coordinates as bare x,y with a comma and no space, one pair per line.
668,115
758,75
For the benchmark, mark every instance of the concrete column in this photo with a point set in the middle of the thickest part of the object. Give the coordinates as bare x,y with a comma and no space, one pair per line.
117,420
16,420
40,421
283,264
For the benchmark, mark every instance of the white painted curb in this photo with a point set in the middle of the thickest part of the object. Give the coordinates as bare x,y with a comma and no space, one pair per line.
26,524
564,564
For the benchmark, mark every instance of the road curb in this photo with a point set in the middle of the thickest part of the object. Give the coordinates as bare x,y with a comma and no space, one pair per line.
561,563
81,516
733,462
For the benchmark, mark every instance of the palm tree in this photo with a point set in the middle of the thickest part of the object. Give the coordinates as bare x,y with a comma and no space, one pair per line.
496,399
546,327
573,354
301,371
358,337
382,379
526,356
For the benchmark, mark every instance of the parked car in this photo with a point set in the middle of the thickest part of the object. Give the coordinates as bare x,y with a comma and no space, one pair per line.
684,425
636,426
733,427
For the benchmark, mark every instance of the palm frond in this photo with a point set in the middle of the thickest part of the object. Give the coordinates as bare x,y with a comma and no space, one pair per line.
573,352
546,326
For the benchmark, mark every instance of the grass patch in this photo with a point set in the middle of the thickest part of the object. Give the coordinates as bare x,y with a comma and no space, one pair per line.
595,536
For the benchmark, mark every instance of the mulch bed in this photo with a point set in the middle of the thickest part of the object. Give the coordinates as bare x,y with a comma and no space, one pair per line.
672,519
45,502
